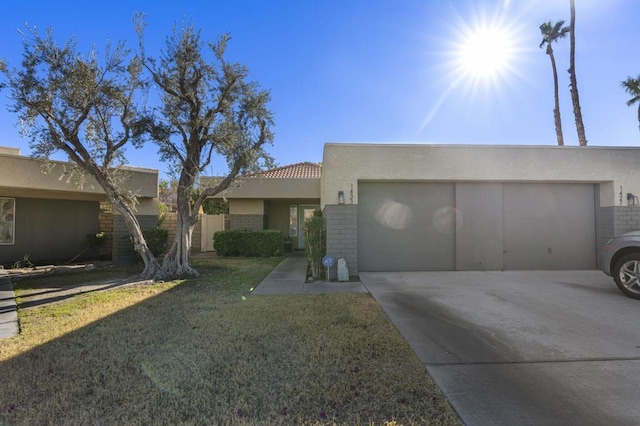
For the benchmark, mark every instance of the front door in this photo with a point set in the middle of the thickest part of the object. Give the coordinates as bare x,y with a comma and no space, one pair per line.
304,213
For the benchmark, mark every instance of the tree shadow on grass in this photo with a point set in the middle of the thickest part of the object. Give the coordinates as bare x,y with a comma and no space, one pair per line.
60,294
195,354
142,364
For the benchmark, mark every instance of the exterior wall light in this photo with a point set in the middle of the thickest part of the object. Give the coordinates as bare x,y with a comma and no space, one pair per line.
340,197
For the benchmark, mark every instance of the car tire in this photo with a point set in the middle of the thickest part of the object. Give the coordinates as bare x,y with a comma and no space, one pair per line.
626,273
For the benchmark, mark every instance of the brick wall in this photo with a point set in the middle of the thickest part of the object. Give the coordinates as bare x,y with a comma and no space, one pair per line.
617,220
196,237
250,222
170,223
342,234
105,221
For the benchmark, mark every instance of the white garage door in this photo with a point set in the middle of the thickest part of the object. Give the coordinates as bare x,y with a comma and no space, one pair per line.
475,226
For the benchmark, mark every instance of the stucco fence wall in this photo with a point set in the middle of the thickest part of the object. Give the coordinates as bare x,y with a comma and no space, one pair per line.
115,229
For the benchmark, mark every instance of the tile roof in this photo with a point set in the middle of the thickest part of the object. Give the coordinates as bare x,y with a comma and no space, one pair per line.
304,170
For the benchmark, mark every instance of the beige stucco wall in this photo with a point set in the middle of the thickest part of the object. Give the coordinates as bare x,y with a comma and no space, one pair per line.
246,207
146,206
270,188
22,177
611,167
9,151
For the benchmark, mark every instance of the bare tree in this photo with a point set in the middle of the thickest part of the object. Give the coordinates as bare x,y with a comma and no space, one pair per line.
85,108
207,108
575,97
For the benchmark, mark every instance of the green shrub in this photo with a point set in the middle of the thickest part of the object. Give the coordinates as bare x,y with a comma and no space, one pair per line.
248,243
210,206
315,243
156,239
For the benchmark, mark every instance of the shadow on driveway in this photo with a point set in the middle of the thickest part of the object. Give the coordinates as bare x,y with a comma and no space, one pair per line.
521,347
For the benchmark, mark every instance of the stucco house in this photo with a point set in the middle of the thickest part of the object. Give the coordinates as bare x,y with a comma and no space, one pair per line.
387,207
391,207
48,218
279,198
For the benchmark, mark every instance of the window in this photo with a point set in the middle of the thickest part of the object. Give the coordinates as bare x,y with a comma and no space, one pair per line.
7,220
293,221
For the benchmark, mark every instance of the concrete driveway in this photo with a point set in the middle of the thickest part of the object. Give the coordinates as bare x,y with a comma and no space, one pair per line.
534,347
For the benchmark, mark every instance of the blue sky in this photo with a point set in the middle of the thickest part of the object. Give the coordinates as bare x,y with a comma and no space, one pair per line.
381,71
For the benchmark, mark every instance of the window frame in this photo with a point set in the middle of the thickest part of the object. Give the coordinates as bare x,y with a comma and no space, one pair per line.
7,221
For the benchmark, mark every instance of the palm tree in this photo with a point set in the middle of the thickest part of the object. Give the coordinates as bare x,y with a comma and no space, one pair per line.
632,86
575,98
550,33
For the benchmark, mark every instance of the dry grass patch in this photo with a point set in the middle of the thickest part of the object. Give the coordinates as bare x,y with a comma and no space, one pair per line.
201,352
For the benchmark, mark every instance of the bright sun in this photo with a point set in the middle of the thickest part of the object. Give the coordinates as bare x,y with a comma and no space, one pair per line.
483,56
485,53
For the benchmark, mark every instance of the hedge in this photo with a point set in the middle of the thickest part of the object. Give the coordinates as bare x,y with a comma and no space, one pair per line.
248,243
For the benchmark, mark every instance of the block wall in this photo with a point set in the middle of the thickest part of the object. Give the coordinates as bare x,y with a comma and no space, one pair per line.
342,234
123,253
170,223
249,222
106,226
616,220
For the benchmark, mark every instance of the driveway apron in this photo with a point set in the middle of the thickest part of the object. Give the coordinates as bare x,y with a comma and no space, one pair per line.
526,348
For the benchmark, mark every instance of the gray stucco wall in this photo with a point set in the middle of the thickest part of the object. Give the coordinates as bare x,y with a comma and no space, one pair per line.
123,253
51,230
344,165
342,234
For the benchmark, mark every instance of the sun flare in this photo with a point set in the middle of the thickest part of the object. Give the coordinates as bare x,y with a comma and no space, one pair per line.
483,56
485,53
485,48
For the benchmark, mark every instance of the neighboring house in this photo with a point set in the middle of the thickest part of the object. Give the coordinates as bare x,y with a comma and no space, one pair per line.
279,198
398,207
47,218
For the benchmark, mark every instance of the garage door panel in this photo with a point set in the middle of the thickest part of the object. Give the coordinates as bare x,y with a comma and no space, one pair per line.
405,226
414,226
479,233
549,226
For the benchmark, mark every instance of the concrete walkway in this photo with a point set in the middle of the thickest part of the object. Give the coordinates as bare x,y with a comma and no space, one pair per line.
290,275
8,308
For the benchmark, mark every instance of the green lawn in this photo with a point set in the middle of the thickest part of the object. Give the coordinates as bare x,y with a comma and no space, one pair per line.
205,351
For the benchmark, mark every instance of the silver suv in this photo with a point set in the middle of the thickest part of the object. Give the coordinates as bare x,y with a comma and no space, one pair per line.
620,259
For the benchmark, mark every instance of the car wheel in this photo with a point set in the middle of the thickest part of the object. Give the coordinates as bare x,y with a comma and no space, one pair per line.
626,273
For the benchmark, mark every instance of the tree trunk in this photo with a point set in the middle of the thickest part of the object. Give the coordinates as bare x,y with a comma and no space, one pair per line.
176,261
556,109
151,265
575,98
